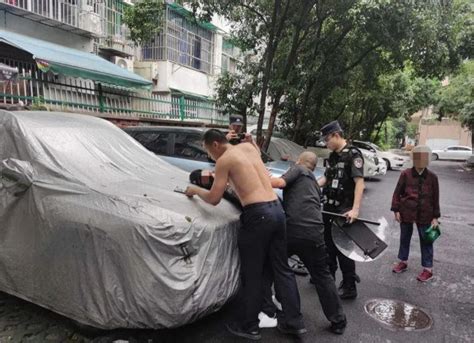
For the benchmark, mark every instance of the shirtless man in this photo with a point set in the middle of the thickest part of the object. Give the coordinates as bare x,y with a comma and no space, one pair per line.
262,236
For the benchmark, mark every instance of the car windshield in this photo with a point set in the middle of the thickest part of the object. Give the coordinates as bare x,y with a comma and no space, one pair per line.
376,147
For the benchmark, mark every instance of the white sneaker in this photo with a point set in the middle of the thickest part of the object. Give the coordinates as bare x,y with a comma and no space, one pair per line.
266,321
276,303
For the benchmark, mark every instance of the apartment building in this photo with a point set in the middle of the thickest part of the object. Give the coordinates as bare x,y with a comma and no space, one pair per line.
175,72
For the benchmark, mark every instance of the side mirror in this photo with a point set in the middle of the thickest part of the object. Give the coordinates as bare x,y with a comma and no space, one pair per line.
16,176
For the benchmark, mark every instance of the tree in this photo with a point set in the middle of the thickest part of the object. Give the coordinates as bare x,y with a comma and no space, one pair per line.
315,60
236,93
457,98
144,19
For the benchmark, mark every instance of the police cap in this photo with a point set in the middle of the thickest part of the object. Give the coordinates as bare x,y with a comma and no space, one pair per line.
329,128
236,119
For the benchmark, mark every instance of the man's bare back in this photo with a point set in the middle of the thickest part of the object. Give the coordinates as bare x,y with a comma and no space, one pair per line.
240,166
247,174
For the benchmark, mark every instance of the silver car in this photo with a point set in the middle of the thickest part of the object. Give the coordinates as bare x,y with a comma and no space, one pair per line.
91,227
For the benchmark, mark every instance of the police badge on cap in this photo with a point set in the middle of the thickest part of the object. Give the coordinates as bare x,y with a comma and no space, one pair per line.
236,119
329,128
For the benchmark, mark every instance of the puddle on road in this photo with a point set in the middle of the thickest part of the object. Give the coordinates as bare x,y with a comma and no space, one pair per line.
398,315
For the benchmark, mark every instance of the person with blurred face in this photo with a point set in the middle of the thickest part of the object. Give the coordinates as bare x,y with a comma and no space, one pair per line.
416,201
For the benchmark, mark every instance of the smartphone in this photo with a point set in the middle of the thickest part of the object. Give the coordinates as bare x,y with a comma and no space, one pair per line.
180,190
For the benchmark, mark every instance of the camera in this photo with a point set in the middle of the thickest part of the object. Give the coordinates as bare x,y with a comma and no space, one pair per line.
235,141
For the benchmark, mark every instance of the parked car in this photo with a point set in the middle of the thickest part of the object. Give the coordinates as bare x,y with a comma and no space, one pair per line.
393,161
373,166
455,152
182,147
91,227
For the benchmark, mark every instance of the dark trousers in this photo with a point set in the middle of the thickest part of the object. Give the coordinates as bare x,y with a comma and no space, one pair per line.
406,231
347,265
314,258
262,241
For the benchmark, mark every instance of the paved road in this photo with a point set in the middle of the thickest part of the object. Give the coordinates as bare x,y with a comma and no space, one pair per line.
449,298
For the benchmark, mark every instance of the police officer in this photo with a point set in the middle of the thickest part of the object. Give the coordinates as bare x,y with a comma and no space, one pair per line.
236,134
343,184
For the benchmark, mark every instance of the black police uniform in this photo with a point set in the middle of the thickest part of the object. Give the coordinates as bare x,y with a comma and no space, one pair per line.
341,169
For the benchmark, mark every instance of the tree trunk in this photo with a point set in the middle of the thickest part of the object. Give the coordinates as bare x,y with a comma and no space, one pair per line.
290,62
269,56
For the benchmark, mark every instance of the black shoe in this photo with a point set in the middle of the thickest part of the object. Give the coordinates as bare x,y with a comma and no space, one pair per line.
348,291
338,328
236,330
289,331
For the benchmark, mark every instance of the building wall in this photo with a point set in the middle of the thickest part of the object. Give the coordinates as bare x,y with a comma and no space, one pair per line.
9,22
446,132
175,76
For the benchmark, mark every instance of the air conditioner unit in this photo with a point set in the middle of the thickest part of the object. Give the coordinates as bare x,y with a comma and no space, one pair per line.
123,63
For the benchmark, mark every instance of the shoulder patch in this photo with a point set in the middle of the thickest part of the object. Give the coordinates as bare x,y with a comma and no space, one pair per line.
358,162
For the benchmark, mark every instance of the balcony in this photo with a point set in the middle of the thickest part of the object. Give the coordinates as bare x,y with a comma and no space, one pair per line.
83,17
116,41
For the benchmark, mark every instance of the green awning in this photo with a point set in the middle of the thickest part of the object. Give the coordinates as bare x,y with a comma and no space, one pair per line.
190,95
62,60
189,15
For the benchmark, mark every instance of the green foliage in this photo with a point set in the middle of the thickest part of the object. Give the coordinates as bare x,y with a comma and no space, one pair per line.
457,98
235,93
362,62
458,93
38,104
144,19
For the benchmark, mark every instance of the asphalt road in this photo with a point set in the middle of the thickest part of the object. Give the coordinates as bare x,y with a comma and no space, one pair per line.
448,298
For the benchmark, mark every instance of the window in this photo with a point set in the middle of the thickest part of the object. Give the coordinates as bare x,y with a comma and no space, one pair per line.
230,57
183,42
156,142
189,146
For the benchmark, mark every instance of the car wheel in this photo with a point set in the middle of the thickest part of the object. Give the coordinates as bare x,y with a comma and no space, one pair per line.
434,157
389,167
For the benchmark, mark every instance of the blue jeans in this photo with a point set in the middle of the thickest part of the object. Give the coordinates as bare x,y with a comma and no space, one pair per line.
405,238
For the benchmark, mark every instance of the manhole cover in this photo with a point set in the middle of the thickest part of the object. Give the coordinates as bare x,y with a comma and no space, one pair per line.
398,314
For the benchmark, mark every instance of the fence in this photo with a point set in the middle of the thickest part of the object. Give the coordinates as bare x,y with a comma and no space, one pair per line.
62,93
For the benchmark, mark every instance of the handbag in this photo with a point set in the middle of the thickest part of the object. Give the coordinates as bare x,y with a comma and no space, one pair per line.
432,233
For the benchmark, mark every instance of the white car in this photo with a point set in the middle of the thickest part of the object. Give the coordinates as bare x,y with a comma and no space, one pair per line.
454,152
393,161
373,166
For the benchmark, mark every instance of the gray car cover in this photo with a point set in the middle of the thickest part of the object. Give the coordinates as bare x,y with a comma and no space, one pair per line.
90,227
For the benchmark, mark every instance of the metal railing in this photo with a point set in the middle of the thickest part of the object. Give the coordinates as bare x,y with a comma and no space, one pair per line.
62,93
181,42
88,15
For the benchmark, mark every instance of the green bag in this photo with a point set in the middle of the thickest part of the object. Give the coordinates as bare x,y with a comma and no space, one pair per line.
432,233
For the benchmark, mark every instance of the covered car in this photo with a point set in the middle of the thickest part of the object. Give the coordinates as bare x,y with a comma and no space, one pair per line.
91,227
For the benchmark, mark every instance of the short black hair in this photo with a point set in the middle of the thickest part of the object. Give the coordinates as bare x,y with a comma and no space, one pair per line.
214,135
